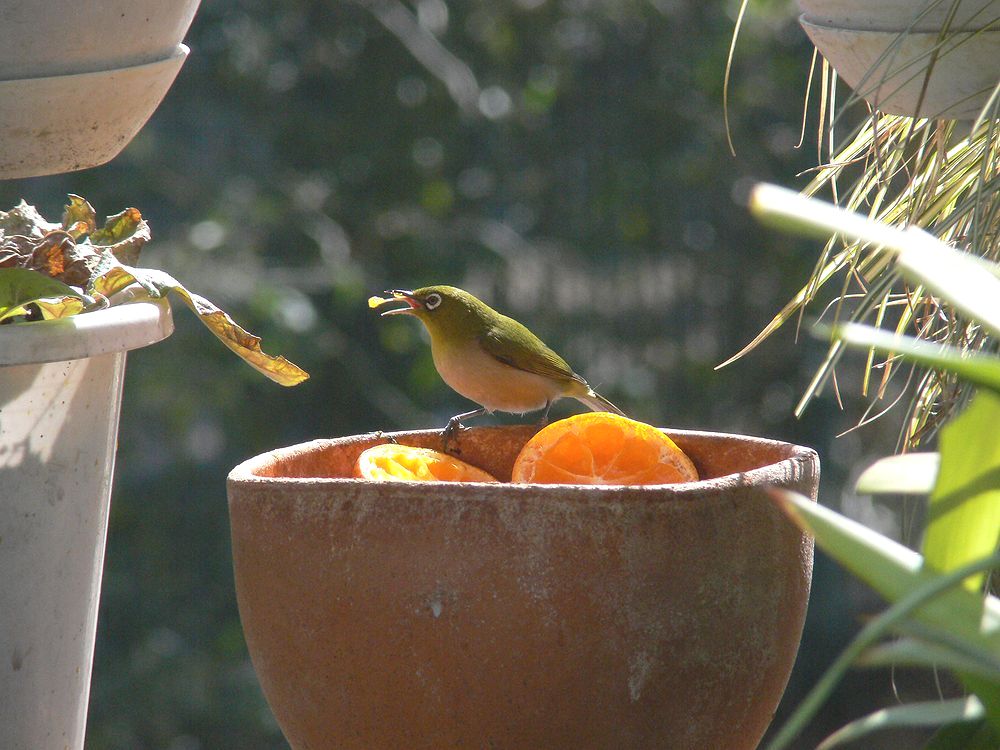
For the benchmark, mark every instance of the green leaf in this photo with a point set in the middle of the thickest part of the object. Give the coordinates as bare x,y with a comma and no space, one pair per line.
913,715
915,652
976,668
957,276
964,736
906,474
244,344
980,369
964,510
20,288
920,596
895,571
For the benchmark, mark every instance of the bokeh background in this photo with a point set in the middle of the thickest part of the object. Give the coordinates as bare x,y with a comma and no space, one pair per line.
566,160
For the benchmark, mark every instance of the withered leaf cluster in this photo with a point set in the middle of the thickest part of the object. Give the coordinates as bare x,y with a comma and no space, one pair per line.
52,270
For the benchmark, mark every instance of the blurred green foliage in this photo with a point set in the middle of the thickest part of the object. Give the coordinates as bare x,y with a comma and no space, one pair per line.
575,174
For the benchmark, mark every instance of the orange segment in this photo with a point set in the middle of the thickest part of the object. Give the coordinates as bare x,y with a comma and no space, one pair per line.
602,448
405,463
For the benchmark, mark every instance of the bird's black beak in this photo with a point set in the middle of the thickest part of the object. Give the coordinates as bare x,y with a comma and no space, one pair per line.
395,296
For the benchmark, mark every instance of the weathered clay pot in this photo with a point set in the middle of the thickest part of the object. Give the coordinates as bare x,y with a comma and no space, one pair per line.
385,615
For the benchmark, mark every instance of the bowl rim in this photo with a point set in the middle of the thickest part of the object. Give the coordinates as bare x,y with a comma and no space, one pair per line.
800,462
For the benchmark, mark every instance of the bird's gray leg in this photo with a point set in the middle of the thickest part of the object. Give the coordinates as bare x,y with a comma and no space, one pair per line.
455,424
545,414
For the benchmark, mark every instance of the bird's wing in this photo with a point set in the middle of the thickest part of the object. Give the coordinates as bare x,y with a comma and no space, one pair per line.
515,345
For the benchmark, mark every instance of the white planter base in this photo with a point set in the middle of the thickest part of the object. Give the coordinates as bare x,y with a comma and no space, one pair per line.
883,50
38,138
58,435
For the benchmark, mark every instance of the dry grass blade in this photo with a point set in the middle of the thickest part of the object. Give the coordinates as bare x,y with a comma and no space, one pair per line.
904,172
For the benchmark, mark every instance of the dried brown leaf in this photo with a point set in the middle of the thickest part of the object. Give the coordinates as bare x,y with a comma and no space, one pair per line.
79,218
123,234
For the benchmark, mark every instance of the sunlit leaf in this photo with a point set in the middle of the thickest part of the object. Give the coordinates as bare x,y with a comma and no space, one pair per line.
123,234
58,255
117,278
25,220
78,217
905,474
936,602
21,288
240,341
955,275
59,307
49,260
895,571
912,715
964,510
980,369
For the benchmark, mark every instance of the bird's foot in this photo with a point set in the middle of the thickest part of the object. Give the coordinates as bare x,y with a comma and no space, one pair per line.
454,426
450,434
544,419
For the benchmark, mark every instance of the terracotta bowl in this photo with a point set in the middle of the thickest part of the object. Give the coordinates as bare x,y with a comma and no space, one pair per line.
384,615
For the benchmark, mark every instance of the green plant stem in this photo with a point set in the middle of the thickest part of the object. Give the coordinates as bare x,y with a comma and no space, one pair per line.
869,635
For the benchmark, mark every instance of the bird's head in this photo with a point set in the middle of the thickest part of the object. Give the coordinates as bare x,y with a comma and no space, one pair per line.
443,309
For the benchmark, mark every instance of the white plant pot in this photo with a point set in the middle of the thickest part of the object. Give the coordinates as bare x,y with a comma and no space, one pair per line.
60,395
882,50
67,122
44,38
888,70
897,15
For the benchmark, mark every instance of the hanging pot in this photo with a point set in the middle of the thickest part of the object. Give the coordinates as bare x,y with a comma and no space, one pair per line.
79,78
886,52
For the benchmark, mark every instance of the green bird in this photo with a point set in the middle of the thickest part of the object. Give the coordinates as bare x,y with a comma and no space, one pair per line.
488,357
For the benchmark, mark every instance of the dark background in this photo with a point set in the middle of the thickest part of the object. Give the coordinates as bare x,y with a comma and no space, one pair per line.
576,176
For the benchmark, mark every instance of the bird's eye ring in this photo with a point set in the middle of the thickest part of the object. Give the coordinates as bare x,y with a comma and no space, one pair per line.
432,301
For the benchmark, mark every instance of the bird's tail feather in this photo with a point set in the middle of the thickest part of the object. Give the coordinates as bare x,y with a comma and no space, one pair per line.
597,402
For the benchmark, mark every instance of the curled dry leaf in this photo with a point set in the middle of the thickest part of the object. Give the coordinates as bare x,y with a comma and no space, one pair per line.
79,218
25,220
58,255
55,270
124,235
247,346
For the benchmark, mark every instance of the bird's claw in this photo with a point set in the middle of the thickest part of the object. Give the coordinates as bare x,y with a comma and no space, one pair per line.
450,433
544,419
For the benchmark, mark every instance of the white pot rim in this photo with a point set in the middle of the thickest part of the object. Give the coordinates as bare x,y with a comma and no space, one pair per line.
174,60
901,15
114,329
807,20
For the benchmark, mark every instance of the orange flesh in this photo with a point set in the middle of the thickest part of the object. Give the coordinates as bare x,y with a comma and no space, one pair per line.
404,463
602,448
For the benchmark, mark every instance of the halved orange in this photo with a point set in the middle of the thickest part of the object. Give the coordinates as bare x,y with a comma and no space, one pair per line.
602,448
405,463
